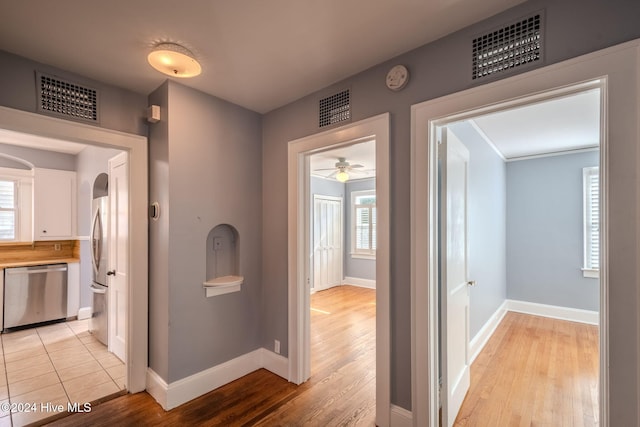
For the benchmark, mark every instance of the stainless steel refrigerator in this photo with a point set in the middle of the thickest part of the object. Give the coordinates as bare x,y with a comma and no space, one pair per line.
99,288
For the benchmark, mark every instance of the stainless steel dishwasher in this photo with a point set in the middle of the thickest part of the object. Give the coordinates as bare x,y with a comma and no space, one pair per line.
34,294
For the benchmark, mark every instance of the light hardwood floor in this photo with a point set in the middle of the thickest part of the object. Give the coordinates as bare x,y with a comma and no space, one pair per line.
341,391
535,371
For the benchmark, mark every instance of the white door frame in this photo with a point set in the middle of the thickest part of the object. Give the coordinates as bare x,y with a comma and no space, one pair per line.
136,146
613,67
298,261
312,238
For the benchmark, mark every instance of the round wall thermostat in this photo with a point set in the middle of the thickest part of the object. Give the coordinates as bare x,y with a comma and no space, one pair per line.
397,77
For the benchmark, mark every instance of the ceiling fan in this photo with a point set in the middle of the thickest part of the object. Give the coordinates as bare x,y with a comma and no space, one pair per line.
342,170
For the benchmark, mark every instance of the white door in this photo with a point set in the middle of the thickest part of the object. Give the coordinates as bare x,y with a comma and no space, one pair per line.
454,161
118,252
327,242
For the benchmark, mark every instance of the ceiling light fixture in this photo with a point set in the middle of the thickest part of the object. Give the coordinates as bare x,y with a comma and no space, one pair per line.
342,176
174,60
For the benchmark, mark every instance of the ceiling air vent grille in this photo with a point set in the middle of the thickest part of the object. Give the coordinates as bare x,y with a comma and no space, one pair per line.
335,109
507,48
62,98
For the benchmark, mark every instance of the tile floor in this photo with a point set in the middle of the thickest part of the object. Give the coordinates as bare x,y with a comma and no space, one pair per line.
44,369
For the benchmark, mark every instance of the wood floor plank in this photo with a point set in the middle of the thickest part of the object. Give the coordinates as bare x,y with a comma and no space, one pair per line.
341,391
535,371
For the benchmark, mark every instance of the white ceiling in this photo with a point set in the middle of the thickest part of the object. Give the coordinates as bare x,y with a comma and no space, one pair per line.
256,53
553,126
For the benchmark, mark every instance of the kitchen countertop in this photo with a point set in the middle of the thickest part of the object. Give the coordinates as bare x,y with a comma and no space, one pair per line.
8,264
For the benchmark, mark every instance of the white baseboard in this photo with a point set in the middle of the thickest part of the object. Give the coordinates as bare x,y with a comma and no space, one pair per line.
275,363
400,417
84,313
480,339
157,388
363,283
556,312
178,392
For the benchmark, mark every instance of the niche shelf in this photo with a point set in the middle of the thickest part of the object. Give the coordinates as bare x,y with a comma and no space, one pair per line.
223,250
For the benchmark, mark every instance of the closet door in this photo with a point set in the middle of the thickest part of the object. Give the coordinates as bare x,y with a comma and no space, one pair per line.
327,242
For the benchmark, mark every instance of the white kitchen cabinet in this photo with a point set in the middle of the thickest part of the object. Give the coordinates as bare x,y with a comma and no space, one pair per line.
54,204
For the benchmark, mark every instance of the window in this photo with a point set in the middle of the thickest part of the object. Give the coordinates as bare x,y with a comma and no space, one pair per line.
591,192
8,210
363,214
16,194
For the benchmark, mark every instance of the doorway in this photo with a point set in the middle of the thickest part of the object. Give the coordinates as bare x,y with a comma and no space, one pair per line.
136,146
376,128
616,72
525,228
450,380
343,264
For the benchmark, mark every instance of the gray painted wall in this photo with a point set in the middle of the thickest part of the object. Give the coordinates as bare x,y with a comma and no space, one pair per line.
207,168
357,267
119,109
573,27
90,162
159,236
545,232
487,210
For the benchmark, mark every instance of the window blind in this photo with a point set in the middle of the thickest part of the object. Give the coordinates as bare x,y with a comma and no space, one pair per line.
8,203
592,217
365,228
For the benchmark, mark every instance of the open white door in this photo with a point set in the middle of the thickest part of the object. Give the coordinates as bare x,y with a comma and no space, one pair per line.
454,327
118,252
327,242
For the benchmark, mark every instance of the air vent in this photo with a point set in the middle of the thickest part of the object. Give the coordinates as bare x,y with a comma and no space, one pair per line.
70,100
335,109
508,48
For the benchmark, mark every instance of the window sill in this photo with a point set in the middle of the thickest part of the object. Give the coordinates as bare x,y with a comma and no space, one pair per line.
363,256
591,273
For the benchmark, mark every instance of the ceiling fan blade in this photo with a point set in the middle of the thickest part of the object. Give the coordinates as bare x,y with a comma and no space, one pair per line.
361,172
324,169
355,166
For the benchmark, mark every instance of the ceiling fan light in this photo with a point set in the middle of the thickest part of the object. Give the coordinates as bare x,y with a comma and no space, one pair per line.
174,60
342,176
